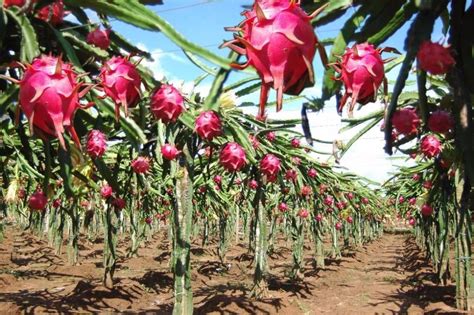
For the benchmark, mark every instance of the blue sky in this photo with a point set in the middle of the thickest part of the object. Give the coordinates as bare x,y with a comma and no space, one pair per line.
203,22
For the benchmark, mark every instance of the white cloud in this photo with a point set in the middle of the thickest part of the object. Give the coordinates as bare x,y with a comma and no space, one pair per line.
156,66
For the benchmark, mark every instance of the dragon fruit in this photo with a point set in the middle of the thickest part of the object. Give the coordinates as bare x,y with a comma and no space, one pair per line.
306,191
57,203
18,3
401,199
430,146
428,184
295,143
283,207
291,175
149,220
318,217
312,173
167,103
303,213
426,210
362,72
406,121
329,210
365,201
270,166
49,97
96,144
279,42
412,221
296,160
434,58
412,201
106,191
121,82
169,152
217,179
232,157
254,140
99,38
416,177
119,203
350,196
338,226
340,205
440,121
208,125
328,201
253,184
349,219
38,201
53,13
271,136
141,165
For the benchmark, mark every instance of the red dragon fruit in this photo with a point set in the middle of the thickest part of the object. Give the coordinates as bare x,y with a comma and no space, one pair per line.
217,179
312,173
295,143
306,191
208,125
430,146
291,175
279,42
401,199
141,165
38,201
283,207
254,140
53,13
253,184
121,82
406,121
350,196
412,221
362,72
428,184
106,191
96,144
232,157
318,217
18,3
329,210
270,166
149,220
169,152
365,201
338,226
416,177
434,58
296,160
303,213
271,136
349,220
340,205
328,201
412,201
119,203
99,38
56,203
440,121
49,97
426,210
167,103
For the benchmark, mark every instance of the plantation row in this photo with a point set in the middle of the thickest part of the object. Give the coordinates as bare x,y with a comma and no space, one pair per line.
93,145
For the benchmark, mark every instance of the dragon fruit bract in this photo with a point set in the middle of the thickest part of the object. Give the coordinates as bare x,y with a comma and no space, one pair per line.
121,82
279,42
362,72
96,144
232,157
49,97
167,103
99,38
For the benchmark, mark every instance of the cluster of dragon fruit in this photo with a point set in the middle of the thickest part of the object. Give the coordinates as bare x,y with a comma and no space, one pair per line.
279,42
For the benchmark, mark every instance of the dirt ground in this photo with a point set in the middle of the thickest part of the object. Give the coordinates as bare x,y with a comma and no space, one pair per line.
387,276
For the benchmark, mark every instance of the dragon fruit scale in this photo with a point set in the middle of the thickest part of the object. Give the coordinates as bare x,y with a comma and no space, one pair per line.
279,42
49,97
121,82
361,71
167,103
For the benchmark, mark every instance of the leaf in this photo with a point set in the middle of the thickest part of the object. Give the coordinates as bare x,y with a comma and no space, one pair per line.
66,171
133,12
29,43
67,48
334,10
7,98
199,64
84,46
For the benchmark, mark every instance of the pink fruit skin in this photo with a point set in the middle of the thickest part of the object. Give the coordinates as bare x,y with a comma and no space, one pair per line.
440,121
106,191
306,191
430,146
412,221
434,58
49,97
271,136
141,165
96,144
169,152
99,38
282,207
412,201
349,220
329,201
280,44
121,82
167,103
208,125
291,175
38,201
217,179
270,166
53,13
362,72
406,121
338,226
232,157
295,143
